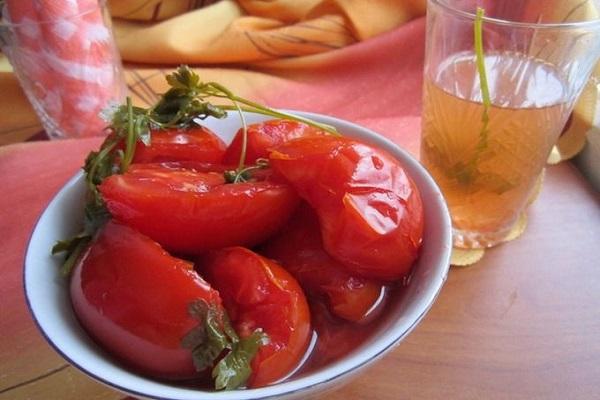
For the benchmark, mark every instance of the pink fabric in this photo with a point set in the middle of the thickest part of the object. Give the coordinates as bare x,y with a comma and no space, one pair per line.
376,83
30,175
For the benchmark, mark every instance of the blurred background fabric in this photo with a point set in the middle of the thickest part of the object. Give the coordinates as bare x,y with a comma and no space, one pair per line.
260,47
286,38
249,31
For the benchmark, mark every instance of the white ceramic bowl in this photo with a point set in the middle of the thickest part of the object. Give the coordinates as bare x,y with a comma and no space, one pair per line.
48,296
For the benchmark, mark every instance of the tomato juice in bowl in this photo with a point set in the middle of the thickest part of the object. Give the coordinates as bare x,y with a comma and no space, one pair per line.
405,305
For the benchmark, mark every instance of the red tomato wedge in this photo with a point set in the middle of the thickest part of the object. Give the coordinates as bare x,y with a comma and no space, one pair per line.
299,249
189,212
197,143
259,294
370,211
132,297
264,136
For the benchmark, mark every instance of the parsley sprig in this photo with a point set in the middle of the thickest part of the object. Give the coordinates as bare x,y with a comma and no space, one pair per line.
213,337
185,103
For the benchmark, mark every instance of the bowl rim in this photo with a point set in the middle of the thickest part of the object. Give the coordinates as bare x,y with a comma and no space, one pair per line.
320,377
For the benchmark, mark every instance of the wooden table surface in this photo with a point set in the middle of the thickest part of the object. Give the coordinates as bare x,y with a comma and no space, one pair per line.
523,323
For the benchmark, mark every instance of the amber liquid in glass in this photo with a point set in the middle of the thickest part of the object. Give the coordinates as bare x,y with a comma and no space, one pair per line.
487,175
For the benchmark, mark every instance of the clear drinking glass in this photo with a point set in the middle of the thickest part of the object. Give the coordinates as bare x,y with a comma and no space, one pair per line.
66,60
538,55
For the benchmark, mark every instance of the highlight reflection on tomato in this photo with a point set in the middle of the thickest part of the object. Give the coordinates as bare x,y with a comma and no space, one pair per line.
369,209
258,293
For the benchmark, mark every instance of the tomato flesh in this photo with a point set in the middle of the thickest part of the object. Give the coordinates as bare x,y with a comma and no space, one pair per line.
258,293
370,211
196,143
132,297
299,249
264,136
189,212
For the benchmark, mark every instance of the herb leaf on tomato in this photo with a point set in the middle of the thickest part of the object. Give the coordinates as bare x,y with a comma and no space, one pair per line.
73,247
207,340
234,369
214,335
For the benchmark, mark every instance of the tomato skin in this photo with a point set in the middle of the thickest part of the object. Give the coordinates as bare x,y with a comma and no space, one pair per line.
370,211
258,293
189,212
196,143
132,297
264,136
299,249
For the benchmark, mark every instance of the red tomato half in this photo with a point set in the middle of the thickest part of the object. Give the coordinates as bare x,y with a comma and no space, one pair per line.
299,249
258,293
133,297
196,143
264,136
189,212
369,209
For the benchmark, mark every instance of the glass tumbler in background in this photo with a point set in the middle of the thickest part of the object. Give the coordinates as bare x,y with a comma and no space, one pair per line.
537,61
66,60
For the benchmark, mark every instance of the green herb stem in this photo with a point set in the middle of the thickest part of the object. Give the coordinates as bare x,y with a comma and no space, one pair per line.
242,174
222,92
467,173
283,115
73,257
97,163
483,82
130,139
243,153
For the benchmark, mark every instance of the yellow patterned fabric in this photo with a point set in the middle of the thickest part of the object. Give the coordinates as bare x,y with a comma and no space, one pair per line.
153,10
250,31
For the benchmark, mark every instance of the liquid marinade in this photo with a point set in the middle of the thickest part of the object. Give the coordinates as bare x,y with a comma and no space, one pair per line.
486,177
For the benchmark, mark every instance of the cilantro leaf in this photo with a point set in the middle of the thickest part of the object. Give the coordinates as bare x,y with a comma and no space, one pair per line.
214,337
234,369
207,340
